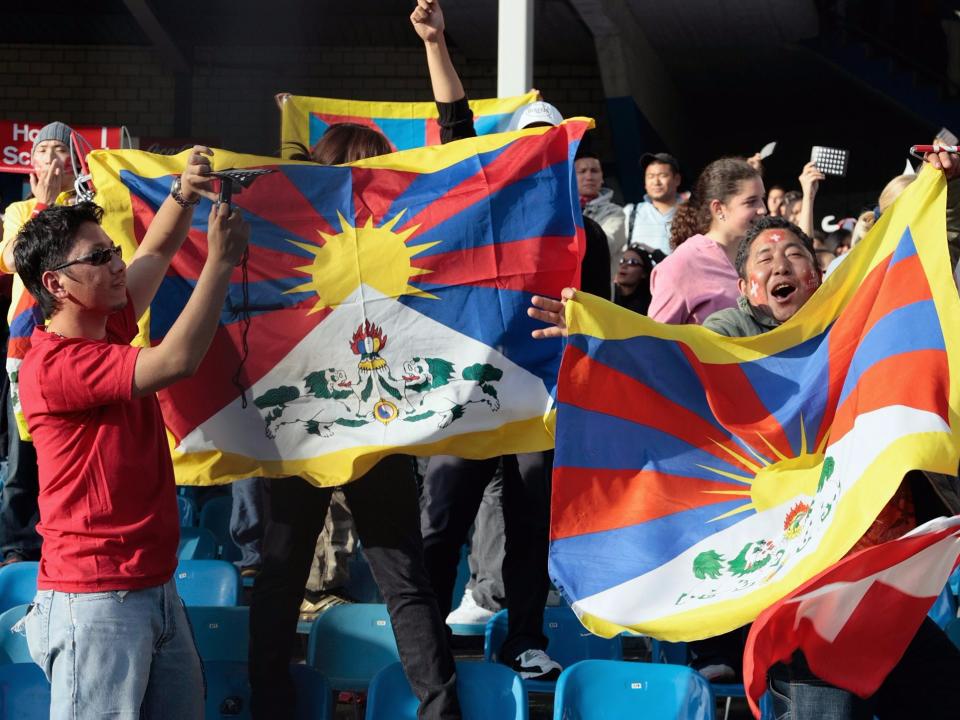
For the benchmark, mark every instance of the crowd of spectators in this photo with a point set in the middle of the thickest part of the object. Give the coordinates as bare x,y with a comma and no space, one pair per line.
727,252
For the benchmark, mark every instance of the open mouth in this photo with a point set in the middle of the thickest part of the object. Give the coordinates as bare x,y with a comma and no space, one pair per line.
345,383
410,378
783,291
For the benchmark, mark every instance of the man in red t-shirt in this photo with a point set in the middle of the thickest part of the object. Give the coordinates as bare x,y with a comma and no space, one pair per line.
107,626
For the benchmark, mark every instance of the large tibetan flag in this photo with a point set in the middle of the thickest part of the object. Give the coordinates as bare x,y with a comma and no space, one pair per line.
698,478
406,125
387,305
855,620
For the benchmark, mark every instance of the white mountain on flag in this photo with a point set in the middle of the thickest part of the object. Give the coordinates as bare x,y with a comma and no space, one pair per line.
374,372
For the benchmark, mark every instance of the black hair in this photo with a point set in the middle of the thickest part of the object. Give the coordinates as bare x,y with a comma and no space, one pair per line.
770,222
45,241
645,256
585,150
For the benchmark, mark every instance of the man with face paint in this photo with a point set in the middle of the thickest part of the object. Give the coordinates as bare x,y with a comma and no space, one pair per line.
778,273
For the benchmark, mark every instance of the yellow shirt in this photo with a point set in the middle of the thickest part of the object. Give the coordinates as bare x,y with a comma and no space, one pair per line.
14,218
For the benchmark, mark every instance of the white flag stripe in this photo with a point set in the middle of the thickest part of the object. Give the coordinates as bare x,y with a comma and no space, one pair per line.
642,599
921,575
520,394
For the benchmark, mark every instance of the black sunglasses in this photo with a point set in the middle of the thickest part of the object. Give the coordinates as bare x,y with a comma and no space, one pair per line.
100,256
630,261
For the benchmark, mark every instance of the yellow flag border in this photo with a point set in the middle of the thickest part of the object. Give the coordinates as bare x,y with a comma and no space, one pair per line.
296,109
922,208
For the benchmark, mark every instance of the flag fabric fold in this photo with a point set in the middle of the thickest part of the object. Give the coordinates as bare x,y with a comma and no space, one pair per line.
406,125
699,479
854,620
386,302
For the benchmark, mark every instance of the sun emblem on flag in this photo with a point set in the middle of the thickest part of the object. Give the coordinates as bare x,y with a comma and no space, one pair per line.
383,262
775,482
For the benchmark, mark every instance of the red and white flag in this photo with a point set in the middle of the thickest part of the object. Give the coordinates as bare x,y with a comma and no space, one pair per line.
854,620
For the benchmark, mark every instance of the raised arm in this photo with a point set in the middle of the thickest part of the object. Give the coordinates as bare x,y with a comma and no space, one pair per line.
809,182
180,352
46,185
168,230
427,19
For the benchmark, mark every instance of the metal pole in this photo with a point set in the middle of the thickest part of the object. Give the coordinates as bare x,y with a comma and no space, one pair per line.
515,47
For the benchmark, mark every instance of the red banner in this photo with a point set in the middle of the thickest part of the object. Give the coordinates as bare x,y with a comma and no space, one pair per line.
16,141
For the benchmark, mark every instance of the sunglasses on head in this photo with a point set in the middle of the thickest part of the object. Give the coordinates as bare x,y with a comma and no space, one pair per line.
630,261
100,256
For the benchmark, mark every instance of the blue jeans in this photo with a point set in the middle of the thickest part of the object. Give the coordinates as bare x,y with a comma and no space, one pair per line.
921,685
122,654
811,701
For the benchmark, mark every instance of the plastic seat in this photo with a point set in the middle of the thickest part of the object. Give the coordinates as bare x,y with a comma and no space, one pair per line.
18,584
228,692
215,517
196,544
188,511
569,642
221,633
208,582
350,644
609,690
13,645
486,691
24,692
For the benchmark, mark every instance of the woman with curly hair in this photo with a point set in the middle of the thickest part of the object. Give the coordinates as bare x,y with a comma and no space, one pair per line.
699,277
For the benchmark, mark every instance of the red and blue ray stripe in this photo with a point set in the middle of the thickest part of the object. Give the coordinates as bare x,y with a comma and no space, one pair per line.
506,224
642,423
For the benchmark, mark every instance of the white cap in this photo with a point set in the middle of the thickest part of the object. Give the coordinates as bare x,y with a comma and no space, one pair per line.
537,112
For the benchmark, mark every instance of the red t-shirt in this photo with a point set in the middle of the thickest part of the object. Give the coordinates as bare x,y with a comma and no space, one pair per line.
108,508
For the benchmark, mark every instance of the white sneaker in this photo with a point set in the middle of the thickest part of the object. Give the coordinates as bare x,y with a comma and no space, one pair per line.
468,612
536,665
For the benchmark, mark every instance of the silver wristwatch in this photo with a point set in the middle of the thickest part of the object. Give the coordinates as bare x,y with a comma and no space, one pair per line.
175,194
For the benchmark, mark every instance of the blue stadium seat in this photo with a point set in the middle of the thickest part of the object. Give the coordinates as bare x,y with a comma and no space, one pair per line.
487,692
569,642
361,587
24,692
13,645
350,644
188,511
228,692
208,582
196,544
221,633
678,654
18,584
608,690
215,517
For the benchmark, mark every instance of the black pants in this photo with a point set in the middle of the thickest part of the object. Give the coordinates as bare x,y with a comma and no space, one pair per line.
384,505
19,512
921,685
452,492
